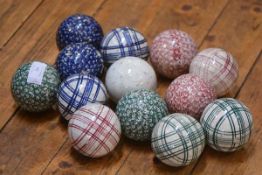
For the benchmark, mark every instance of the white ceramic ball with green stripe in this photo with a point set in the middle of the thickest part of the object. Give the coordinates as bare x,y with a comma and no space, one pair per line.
227,124
178,139
139,111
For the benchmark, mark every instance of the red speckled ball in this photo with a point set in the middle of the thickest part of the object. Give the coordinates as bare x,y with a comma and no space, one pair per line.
189,94
172,52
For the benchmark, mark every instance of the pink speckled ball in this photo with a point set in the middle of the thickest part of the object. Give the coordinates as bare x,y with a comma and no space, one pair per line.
172,52
189,94
216,66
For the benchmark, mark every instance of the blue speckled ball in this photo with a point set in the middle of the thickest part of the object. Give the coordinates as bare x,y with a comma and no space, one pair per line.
79,90
79,58
123,42
79,28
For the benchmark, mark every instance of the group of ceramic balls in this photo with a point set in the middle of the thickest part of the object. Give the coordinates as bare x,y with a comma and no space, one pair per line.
172,125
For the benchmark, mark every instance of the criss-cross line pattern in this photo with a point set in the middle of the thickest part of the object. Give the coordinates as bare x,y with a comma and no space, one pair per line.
94,130
178,139
77,91
227,124
122,42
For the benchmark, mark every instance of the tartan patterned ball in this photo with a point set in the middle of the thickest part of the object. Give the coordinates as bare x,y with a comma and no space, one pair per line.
123,42
34,88
178,140
94,130
79,90
79,58
79,28
138,112
189,94
227,124
216,66
172,52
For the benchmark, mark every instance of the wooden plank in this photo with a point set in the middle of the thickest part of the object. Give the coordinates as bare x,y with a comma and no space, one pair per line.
247,160
139,156
13,14
35,40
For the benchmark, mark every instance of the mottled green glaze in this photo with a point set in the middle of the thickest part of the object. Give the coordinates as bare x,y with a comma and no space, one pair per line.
33,97
139,111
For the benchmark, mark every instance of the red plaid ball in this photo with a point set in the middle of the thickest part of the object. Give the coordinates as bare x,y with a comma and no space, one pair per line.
94,130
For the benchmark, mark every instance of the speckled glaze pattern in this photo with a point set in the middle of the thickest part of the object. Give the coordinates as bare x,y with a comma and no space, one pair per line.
123,42
189,94
33,97
138,112
178,140
216,66
79,28
127,74
172,52
79,58
79,90
94,130
227,124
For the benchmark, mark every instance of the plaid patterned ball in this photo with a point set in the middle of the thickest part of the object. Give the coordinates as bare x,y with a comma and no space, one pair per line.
227,124
178,139
216,66
94,130
79,90
122,42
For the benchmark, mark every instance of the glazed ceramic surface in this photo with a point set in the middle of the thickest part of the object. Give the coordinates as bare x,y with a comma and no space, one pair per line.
34,88
138,112
127,74
123,42
79,28
94,130
79,58
227,124
216,66
189,94
79,90
178,140
172,52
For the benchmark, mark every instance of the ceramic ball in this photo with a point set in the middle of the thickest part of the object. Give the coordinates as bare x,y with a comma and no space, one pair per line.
227,124
189,94
216,66
79,28
79,90
94,130
123,42
138,112
178,139
127,74
34,86
79,58
172,52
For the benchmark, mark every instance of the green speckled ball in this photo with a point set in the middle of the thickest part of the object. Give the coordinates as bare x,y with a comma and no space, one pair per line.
138,112
34,97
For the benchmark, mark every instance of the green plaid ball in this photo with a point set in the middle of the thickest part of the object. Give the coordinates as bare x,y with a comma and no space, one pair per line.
178,139
138,112
227,124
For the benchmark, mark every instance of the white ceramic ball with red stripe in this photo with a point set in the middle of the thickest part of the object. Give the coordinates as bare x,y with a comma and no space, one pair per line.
216,66
172,52
189,94
94,130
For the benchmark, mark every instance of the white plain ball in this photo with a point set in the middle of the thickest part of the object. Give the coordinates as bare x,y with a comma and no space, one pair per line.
128,74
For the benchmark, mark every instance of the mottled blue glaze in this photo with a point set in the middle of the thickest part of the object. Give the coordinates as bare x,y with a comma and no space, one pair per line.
79,58
79,28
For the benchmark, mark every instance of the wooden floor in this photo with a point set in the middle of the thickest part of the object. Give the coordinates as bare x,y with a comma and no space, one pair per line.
38,144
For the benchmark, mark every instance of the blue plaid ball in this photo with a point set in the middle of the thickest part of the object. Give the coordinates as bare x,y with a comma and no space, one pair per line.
123,42
79,58
227,124
79,28
79,90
